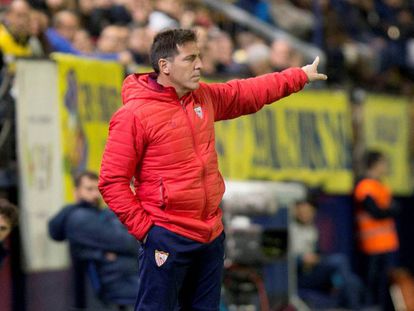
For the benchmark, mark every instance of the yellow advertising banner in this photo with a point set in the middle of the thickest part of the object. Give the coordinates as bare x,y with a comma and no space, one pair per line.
89,93
386,122
305,137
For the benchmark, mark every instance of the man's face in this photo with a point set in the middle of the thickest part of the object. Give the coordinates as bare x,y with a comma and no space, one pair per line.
68,27
5,228
19,19
305,213
88,191
184,70
382,167
109,41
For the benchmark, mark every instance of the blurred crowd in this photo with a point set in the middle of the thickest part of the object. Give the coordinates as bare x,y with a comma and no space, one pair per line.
368,43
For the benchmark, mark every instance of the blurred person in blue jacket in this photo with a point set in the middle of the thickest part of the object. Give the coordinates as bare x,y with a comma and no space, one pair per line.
97,237
61,37
8,219
327,273
62,33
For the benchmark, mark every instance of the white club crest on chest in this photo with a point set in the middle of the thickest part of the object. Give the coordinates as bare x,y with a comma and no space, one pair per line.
199,111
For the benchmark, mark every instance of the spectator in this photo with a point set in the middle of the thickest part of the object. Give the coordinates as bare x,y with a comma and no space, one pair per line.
105,13
62,34
208,49
223,50
66,26
95,235
258,59
15,32
54,6
124,33
85,8
83,42
8,220
283,56
109,42
188,17
244,40
377,235
112,45
140,11
38,41
139,45
280,53
325,273
167,14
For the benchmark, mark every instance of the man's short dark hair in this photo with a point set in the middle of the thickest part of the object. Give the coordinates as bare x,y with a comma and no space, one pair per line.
85,174
165,44
372,158
9,212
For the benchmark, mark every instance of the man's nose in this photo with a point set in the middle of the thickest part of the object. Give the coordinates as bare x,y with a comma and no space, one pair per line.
199,64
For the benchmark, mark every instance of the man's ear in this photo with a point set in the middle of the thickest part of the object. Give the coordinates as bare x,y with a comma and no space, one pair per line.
164,66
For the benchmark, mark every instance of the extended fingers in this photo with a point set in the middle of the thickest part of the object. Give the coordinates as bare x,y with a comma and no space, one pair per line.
316,62
321,76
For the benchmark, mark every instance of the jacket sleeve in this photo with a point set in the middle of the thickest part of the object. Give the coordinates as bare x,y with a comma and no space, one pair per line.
122,154
379,213
240,97
55,227
94,232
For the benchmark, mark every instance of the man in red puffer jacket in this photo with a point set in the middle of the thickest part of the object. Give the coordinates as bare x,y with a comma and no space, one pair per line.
163,136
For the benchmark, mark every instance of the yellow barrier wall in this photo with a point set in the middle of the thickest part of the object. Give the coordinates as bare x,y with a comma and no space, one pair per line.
305,137
89,93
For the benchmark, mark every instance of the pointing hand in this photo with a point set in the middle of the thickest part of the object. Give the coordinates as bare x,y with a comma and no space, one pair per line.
312,71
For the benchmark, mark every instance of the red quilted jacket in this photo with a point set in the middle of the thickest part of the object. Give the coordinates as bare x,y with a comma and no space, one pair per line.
167,143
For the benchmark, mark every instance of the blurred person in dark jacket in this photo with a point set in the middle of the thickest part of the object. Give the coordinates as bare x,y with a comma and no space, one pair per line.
98,14
139,44
8,219
223,50
327,273
96,236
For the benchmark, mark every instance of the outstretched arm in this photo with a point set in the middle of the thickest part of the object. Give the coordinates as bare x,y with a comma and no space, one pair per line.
244,96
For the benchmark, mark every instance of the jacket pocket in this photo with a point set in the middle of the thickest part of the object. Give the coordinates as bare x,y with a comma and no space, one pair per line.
164,203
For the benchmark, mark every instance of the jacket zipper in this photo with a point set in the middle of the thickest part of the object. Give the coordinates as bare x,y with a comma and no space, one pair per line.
199,158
